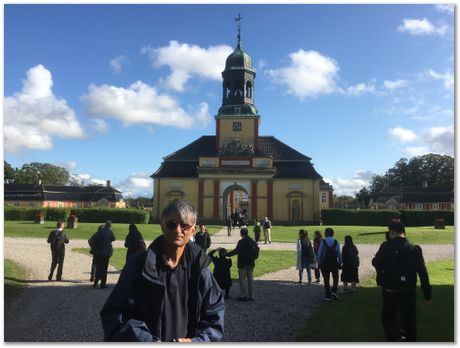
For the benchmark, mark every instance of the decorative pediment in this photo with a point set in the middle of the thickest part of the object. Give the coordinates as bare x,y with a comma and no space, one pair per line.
236,147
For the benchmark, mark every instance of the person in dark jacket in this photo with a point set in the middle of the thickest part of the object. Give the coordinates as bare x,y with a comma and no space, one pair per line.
221,272
330,261
245,265
202,238
350,261
167,293
316,242
102,253
399,262
57,239
134,241
91,251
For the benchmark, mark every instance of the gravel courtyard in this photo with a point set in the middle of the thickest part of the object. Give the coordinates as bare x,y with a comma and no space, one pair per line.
68,311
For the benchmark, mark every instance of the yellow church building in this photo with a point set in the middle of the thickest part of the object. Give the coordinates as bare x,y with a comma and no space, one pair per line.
238,170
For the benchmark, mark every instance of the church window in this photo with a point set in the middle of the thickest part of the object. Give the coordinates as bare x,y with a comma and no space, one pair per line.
324,198
249,89
227,92
237,110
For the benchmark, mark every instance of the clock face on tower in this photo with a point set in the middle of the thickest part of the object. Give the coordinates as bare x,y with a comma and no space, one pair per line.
236,126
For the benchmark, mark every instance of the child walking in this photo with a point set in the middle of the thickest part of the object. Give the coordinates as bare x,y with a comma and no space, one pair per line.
350,261
305,255
222,265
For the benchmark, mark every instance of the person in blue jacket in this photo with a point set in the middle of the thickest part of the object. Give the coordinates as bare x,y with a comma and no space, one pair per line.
167,293
330,261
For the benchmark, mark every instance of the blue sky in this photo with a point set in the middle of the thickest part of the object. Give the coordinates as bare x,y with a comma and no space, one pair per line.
108,90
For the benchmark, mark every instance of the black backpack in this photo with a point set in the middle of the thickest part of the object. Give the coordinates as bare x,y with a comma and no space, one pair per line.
330,260
58,240
253,250
400,268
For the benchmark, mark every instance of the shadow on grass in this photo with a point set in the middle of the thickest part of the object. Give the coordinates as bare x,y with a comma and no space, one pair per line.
371,233
357,318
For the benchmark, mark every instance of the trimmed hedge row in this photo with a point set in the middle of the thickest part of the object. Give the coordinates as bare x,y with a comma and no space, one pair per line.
118,215
368,217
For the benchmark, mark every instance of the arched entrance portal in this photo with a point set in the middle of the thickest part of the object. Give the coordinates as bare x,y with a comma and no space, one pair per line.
235,204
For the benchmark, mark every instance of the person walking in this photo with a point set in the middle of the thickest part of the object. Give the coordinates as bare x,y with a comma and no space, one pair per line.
398,262
91,251
167,293
316,242
229,226
202,238
134,241
257,230
330,261
267,225
350,260
305,256
247,251
222,265
57,240
102,252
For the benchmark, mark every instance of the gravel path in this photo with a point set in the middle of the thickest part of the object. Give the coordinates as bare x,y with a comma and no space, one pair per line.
68,311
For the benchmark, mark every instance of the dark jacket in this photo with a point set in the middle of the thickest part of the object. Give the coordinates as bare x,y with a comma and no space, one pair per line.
52,237
133,242
203,239
103,242
133,310
415,264
243,250
221,271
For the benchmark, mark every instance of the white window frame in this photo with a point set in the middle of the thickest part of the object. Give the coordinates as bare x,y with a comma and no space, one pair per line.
418,206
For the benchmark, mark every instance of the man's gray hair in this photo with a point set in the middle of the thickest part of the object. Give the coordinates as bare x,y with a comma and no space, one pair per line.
183,208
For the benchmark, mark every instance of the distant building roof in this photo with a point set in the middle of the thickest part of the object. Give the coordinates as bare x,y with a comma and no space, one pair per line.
32,192
324,186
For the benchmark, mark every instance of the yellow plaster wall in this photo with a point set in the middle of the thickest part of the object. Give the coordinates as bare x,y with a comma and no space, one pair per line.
189,188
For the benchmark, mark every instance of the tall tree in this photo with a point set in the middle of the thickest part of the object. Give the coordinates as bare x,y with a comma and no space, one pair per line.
8,173
32,173
363,197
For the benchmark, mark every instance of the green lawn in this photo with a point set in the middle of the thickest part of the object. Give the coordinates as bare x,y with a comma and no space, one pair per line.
435,322
84,230
268,261
13,273
365,234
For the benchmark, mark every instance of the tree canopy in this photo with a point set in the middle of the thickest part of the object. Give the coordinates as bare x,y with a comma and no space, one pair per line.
32,173
8,173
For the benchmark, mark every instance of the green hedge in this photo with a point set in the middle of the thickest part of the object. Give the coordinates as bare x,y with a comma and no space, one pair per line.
426,218
100,215
369,217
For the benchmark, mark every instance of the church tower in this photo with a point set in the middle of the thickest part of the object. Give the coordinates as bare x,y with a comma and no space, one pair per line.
237,122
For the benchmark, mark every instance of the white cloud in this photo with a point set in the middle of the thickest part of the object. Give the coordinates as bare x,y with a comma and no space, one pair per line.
34,115
392,85
137,184
417,150
360,89
100,125
403,135
350,186
87,179
69,165
441,140
445,8
422,27
186,60
141,103
117,63
447,78
308,74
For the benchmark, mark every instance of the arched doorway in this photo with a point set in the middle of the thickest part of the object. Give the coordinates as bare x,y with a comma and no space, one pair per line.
235,204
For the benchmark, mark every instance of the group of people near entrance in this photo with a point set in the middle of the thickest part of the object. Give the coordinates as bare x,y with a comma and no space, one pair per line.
167,293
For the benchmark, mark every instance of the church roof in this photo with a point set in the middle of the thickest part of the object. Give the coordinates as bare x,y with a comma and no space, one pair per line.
288,163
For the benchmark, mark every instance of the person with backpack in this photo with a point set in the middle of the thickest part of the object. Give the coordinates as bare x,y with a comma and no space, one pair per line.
316,242
398,262
267,225
305,256
330,261
202,238
102,252
57,240
257,230
350,260
91,251
222,265
247,251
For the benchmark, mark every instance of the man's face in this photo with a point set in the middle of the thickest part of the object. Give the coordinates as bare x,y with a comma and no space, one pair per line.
177,232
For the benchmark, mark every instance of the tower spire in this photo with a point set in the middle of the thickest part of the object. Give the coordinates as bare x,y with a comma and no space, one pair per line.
238,19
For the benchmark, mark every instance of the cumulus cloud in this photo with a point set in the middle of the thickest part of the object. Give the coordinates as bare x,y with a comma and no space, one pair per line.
117,63
100,125
34,115
350,186
68,165
87,179
422,27
141,103
417,150
441,140
403,135
445,8
186,61
392,85
309,74
447,78
360,89
136,185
